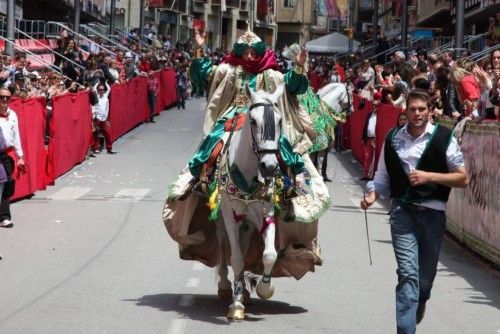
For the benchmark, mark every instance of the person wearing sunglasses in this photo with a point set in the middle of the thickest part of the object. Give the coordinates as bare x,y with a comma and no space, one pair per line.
10,129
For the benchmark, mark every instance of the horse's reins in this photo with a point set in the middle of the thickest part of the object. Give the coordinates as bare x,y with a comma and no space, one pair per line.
348,99
257,150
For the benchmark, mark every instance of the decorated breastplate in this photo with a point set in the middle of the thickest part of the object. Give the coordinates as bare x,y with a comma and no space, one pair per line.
235,185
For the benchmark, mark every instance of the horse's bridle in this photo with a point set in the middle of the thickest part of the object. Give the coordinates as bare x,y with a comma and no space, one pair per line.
257,150
348,108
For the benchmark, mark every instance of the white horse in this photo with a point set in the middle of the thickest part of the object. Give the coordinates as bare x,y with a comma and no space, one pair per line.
251,165
337,95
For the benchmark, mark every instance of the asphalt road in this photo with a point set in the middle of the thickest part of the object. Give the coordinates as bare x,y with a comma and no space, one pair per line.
91,255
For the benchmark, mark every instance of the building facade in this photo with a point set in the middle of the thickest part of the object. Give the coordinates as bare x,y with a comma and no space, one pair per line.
295,22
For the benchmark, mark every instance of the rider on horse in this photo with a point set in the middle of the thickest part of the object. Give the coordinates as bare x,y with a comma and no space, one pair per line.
186,213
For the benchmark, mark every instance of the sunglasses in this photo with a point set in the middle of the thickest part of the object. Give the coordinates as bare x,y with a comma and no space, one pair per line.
5,97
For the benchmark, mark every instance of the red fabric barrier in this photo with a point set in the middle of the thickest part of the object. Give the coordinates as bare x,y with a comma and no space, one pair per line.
387,118
128,106
31,116
70,126
315,81
356,125
168,92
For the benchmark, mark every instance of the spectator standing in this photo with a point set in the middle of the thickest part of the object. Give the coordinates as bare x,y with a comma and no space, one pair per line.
130,68
10,129
402,68
448,94
3,174
153,91
105,66
120,66
181,84
335,77
419,194
369,140
100,113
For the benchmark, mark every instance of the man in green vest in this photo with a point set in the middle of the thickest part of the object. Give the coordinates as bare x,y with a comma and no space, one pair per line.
419,164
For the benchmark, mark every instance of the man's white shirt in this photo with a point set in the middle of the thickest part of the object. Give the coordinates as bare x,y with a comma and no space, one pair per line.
10,131
101,109
409,151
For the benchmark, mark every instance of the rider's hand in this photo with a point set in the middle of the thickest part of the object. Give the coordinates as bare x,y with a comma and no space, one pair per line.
199,38
301,57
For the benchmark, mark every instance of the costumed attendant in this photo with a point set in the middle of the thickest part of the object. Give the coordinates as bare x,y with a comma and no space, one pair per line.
13,151
419,164
249,64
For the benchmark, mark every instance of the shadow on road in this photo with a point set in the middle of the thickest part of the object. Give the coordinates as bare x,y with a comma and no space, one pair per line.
208,308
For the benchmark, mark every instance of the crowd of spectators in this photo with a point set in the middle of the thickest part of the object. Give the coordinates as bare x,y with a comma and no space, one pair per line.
459,87
93,64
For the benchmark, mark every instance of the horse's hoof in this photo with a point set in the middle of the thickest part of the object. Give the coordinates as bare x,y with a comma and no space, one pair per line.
247,299
265,291
236,313
225,294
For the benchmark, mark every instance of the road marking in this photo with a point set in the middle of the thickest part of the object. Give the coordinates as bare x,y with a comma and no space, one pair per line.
177,326
193,282
133,194
186,300
69,193
197,266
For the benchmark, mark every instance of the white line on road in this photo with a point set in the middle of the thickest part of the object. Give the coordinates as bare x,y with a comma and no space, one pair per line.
131,193
186,300
177,326
193,282
69,193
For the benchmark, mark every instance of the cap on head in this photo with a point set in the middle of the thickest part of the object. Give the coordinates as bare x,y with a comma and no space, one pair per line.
249,40
400,54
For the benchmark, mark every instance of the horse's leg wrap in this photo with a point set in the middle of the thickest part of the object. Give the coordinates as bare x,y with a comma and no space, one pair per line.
237,309
265,288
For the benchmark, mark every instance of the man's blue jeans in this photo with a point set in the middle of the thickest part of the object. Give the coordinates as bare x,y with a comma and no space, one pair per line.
416,233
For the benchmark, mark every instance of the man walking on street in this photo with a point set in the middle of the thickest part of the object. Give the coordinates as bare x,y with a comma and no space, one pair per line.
10,128
419,164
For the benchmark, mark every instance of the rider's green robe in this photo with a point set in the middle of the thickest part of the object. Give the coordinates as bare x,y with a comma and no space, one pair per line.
201,71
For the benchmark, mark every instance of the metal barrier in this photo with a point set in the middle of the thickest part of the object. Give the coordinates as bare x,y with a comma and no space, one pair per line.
57,26
33,28
481,55
88,30
52,51
38,58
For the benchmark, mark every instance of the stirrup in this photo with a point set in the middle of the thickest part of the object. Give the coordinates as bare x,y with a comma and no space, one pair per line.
291,193
201,189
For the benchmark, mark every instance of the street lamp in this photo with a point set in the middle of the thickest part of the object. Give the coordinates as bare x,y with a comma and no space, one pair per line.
11,19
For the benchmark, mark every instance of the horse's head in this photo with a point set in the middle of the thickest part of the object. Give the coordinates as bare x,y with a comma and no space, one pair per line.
337,95
265,128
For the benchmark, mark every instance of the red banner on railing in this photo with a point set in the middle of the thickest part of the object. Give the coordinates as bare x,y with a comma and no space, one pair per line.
128,106
356,125
70,131
31,117
387,118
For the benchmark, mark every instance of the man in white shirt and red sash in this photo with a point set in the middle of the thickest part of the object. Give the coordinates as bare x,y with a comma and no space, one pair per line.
10,129
419,164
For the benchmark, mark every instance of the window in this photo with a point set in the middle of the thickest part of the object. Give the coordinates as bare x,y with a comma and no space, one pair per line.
289,3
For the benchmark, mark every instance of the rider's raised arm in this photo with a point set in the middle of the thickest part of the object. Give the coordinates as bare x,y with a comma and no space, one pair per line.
201,71
296,79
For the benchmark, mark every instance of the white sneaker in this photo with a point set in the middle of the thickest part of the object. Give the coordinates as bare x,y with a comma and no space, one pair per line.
6,223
